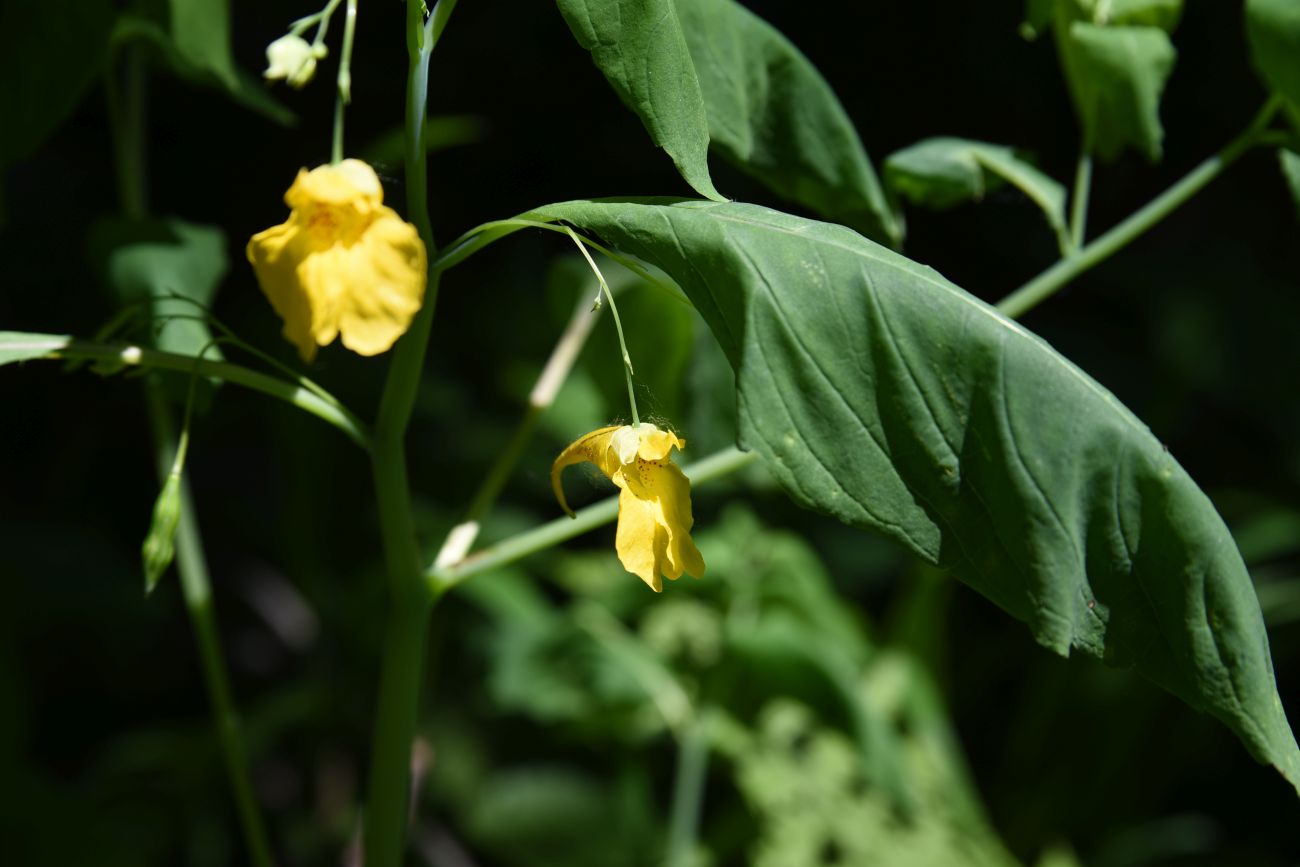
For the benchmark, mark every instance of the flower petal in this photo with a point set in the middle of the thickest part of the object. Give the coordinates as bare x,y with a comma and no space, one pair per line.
385,287
592,448
640,540
275,255
656,444
666,487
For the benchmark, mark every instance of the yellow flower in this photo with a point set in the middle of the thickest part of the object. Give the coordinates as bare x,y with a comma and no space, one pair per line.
654,500
343,264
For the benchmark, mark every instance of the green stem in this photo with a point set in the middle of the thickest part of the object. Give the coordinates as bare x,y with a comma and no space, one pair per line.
688,791
344,95
1079,200
618,323
1048,283
482,235
411,597
192,568
127,117
126,106
112,355
554,532
565,353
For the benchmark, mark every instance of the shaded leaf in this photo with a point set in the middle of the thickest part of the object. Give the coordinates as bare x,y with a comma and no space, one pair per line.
48,59
145,262
1116,77
640,47
554,815
200,30
242,87
1290,163
943,172
882,394
1164,14
772,114
1273,31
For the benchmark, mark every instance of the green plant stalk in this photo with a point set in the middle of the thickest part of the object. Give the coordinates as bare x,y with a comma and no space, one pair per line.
411,597
125,94
344,81
688,791
1079,200
61,347
127,117
462,536
1051,281
618,324
552,533
196,589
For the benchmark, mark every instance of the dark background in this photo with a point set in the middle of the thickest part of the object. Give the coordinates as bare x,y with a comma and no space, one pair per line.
102,711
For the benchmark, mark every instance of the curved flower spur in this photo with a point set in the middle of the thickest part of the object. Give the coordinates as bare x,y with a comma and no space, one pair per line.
654,501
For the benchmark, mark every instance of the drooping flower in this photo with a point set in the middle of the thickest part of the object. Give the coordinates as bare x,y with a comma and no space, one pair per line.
343,264
654,500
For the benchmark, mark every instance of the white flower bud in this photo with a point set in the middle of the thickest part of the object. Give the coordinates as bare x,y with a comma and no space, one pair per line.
292,58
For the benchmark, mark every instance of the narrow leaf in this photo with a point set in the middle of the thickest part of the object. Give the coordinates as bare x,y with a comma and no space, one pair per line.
943,172
882,394
21,346
1116,77
641,49
772,115
48,59
1273,30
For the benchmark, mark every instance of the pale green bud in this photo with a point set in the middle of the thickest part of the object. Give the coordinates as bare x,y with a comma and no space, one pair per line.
292,58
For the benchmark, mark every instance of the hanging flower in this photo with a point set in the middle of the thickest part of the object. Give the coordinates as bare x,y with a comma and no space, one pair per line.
654,501
343,264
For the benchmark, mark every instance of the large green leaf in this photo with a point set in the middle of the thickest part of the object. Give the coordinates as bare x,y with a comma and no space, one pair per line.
640,47
943,172
772,114
880,393
1273,29
1116,77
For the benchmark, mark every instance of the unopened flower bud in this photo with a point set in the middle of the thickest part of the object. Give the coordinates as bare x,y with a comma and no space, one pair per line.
160,545
292,58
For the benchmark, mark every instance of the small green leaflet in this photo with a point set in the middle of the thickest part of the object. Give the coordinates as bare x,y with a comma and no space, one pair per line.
1117,76
943,172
